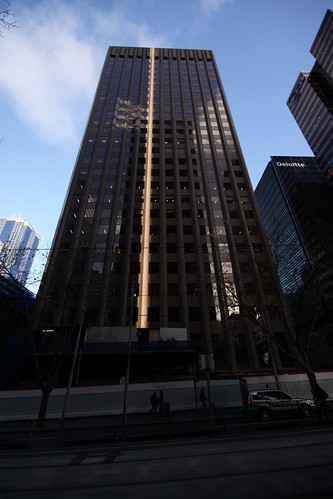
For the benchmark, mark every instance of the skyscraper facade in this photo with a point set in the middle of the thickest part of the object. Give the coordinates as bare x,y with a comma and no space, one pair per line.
160,227
311,100
296,205
18,246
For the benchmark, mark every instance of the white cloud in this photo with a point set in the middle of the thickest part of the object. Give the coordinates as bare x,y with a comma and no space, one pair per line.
211,6
51,63
117,29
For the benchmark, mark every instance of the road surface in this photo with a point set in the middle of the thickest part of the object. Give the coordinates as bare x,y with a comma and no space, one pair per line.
293,463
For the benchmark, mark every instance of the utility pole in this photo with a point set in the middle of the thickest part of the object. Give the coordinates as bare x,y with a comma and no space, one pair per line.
70,379
206,362
128,364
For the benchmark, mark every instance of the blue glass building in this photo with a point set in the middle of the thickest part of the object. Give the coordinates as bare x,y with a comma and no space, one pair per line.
18,246
296,205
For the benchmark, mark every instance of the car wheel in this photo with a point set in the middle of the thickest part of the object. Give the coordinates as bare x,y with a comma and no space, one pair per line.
306,411
265,415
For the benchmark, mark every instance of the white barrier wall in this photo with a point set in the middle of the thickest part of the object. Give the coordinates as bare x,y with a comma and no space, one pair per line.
94,400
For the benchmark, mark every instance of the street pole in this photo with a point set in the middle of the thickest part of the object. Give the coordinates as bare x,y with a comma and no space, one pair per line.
195,393
70,379
210,405
128,364
270,350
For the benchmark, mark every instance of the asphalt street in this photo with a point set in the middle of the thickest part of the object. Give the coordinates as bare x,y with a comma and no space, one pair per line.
271,462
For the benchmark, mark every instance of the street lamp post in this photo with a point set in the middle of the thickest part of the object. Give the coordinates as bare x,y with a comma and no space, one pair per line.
128,364
70,379
207,365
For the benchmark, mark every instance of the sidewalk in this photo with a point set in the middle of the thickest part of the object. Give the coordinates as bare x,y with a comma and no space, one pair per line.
108,428
100,429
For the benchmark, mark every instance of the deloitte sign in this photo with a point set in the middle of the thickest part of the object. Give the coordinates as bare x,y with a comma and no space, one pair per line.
291,165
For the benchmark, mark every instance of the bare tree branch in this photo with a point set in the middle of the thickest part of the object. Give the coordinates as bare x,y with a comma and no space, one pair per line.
17,306
7,18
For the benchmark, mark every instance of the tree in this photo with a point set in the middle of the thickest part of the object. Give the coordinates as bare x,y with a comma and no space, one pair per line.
17,304
7,18
299,333
304,262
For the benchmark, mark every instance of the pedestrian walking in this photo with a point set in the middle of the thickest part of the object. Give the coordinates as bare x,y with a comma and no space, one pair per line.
203,397
154,402
320,398
160,401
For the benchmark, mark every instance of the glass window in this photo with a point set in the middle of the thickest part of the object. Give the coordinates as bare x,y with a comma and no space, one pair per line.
173,314
173,289
154,247
190,267
153,289
154,213
194,313
192,289
171,247
172,267
153,313
257,248
154,267
189,247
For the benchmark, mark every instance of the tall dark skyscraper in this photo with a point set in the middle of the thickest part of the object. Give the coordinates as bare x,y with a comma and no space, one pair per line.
311,100
296,204
160,228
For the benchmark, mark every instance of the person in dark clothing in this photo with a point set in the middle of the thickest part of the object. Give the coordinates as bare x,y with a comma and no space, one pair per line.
154,403
203,397
160,401
320,398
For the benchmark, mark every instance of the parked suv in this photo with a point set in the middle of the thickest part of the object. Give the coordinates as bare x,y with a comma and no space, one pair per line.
267,404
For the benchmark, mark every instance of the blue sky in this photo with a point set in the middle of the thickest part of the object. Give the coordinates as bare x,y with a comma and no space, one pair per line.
51,63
